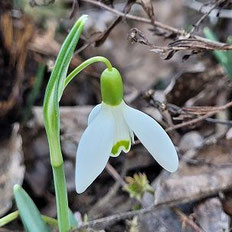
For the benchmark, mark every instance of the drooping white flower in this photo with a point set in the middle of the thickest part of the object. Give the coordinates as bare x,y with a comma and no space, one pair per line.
111,128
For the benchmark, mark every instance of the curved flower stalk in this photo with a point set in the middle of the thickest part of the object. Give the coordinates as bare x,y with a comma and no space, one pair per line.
56,85
111,128
51,115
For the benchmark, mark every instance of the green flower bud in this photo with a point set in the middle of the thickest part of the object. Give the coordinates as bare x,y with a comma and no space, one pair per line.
111,87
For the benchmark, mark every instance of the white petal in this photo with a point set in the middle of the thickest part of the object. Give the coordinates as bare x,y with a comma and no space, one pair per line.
122,134
153,137
94,150
94,112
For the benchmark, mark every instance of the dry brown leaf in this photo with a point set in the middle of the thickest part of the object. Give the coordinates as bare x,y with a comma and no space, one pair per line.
11,168
209,173
46,43
190,84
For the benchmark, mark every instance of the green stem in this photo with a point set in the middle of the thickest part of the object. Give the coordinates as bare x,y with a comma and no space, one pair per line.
52,120
50,221
12,216
8,218
61,198
58,170
83,66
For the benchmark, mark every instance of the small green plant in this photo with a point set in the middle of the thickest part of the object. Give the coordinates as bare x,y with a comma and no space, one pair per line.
133,224
224,58
137,186
111,127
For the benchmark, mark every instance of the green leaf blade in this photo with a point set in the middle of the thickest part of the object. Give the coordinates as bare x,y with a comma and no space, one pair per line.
223,57
73,221
28,211
54,91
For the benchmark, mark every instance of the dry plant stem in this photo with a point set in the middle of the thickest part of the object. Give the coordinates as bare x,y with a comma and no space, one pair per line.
107,198
200,7
111,219
219,121
106,221
179,32
193,121
136,18
196,25
210,114
186,220
111,170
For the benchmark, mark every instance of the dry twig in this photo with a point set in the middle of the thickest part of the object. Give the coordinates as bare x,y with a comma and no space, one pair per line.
178,32
186,44
204,16
199,6
186,220
212,111
107,221
113,172
184,41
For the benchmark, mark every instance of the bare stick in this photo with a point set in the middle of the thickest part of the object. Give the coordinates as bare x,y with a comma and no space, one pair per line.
204,16
159,25
198,6
210,114
185,219
113,172
106,221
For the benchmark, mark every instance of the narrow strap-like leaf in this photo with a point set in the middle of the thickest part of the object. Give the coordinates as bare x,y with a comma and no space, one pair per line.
223,57
28,211
54,89
73,220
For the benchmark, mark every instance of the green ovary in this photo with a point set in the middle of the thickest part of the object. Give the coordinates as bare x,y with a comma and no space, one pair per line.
122,143
111,87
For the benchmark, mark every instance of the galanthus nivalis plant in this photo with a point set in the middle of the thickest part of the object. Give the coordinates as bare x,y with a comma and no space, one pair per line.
111,128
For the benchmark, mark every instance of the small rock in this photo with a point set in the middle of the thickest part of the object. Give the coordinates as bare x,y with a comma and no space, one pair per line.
190,141
211,217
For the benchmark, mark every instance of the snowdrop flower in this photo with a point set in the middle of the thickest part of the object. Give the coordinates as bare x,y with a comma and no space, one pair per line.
111,128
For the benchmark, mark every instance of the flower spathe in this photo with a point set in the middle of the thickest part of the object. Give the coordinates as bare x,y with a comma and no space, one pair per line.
111,128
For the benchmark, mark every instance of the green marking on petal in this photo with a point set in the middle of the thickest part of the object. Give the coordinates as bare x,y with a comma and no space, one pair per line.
122,143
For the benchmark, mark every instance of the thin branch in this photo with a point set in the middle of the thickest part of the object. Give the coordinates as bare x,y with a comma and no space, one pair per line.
179,32
106,221
200,7
109,220
193,121
196,120
191,44
204,16
186,220
214,120
113,172
107,198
